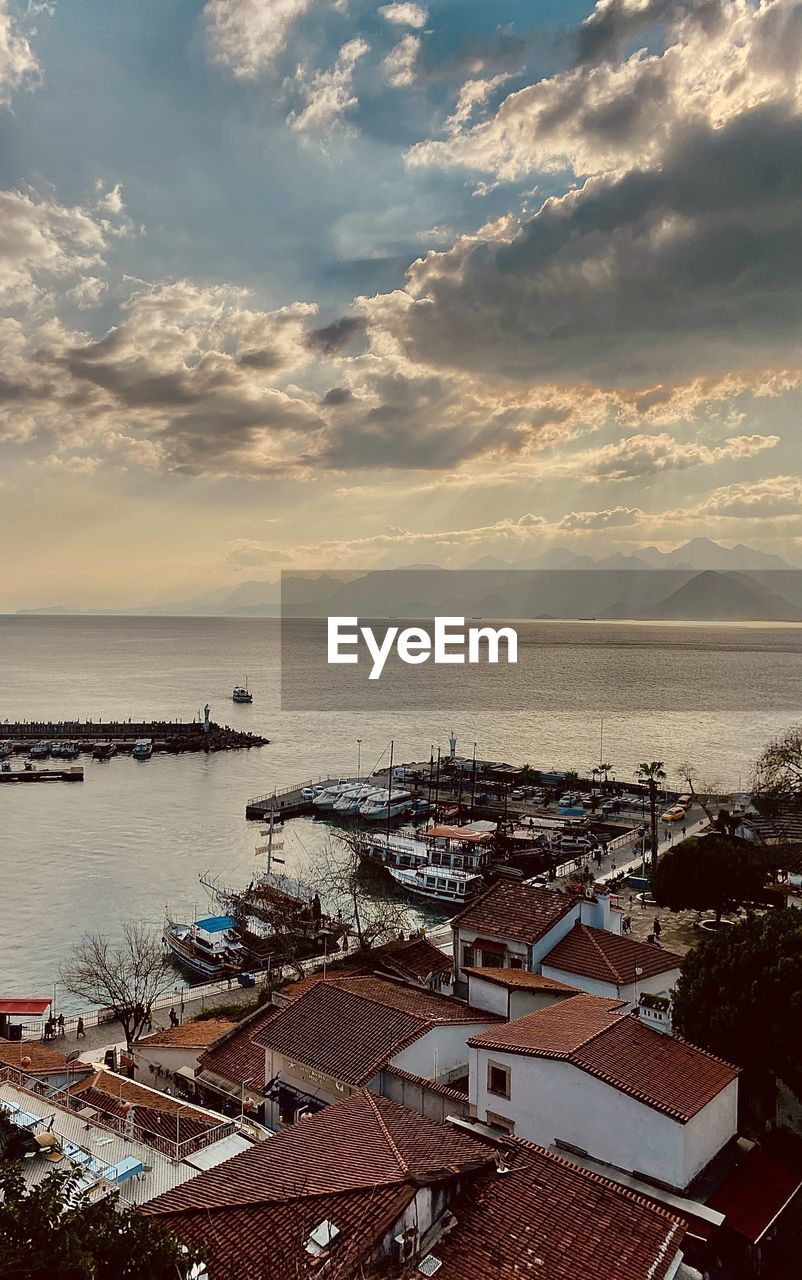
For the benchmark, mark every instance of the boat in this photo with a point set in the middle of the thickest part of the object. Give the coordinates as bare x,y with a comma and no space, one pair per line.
456,848
386,806
39,751
104,751
143,749
6,749
328,796
439,884
242,693
207,947
65,750
351,798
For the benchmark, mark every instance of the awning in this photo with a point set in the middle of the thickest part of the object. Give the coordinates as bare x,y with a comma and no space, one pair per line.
492,948
755,1194
26,1006
456,833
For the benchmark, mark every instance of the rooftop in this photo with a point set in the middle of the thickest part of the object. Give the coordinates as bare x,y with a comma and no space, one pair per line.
44,1059
515,979
596,1036
609,957
350,1028
32,1006
513,910
189,1035
549,1218
417,957
234,1057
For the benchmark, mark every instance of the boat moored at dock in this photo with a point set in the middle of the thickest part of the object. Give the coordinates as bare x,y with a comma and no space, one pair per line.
386,806
207,947
438,884
143,749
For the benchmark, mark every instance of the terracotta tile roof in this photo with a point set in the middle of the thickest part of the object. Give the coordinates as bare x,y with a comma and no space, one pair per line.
350,1028
363,1142
416,957
522,912
115,1089
546,1217
594,1035
190,1035
176,1124
443,1090
235,1056
515,978
45,1060
609,957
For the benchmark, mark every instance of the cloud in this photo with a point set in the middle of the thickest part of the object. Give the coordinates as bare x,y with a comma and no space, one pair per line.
668,272
19,68
246,36
612,23
769,499
42,241
399,65
405,14
645,455
472,94
333,337
327,96
611,518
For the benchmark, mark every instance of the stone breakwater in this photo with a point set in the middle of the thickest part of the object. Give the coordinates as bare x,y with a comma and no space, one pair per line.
173,737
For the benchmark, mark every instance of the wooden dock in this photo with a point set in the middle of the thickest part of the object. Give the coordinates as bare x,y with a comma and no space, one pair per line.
287,802
73,774
172,736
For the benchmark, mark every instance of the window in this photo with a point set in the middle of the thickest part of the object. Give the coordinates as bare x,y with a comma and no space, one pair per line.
516,962
490,960
468,957
500,1122
498,1080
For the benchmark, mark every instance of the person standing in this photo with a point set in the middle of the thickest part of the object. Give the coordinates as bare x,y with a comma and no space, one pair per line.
658,928
80,1033
62,1031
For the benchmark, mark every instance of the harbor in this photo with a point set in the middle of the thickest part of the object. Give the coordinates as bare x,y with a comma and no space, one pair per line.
43,738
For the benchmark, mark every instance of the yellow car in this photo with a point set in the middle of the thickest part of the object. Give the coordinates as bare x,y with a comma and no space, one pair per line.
675,814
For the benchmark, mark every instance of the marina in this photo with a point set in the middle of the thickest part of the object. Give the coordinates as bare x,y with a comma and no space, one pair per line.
42,738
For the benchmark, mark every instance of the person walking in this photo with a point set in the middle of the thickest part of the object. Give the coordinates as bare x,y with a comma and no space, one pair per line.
80,1033
658,928
173,1017
62,1031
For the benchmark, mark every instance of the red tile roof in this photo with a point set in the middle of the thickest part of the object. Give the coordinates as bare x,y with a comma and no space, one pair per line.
350,1028
190,1035
44,1060
519,978
522,912
594,1035
235,1056
364,1141
548,1218
755,1193
33,1006
416,957
609,957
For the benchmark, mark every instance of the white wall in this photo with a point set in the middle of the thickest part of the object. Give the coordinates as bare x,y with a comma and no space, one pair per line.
553,1100
168,1057
487,995
523,1001
439,1051
659,984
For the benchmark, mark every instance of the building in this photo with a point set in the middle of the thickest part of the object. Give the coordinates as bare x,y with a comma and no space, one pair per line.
177,1050
230,1074
346,1033
370,1188
41,1066
586,1077
513,925
514,992
119,1136
608,964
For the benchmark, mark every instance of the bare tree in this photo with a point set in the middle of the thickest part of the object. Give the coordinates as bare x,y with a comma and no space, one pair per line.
125,977
373,911
777,775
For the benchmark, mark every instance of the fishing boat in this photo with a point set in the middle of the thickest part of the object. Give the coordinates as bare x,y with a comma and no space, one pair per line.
207,947
104,751
455,848
439,884
143,749
386,806
242,693
39,751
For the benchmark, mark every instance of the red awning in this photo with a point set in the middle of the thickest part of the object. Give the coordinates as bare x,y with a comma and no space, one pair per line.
755,1194
492,948
31,1006
444,832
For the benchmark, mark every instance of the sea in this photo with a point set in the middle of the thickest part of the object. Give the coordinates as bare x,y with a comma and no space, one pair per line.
133,839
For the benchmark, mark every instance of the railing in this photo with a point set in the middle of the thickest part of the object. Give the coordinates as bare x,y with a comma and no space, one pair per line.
296,788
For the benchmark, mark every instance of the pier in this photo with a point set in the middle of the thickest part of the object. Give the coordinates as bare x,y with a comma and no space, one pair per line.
288,802
170,736
73,774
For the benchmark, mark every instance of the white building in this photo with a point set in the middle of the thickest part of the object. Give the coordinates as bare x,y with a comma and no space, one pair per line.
585,1076
177,1050
512,993
607,964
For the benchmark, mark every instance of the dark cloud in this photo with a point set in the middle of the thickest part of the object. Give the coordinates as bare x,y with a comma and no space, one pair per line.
333,337
337,396
606,32
663,273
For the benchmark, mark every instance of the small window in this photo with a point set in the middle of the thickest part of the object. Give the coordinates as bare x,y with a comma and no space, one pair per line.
452,886
516,962
500,1122
498,1080
492,961
468,957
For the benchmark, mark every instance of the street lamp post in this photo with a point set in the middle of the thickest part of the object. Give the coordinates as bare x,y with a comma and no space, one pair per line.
359,757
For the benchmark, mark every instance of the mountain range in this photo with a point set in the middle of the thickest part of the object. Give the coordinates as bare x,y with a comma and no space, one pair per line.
698,581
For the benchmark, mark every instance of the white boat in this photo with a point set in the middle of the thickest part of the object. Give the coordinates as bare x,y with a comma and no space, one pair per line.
328,797
242,693
383,806
456,848
352,798
143,749
208,947
440,884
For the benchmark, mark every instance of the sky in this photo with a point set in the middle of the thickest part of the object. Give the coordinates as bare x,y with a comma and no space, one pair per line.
343,284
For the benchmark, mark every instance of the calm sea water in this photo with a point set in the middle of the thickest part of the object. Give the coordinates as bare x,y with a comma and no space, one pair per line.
135,837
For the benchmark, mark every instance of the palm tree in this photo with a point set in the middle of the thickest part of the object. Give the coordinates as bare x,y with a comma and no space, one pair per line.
651,773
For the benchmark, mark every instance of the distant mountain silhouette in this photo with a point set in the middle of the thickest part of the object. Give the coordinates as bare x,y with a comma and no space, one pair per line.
712,596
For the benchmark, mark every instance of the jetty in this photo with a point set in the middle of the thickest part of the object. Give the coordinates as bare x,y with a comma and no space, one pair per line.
289,802
74,774
170,736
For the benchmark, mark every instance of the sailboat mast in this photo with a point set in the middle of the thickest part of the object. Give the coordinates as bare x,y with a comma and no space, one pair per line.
390,786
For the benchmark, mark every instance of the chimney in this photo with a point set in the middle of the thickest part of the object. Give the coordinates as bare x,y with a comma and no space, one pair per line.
655,1012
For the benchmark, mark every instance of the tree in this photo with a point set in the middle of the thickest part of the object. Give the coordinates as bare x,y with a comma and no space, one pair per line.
341,873
125,977
52,1229
652,772
710,873
777,775
740,993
